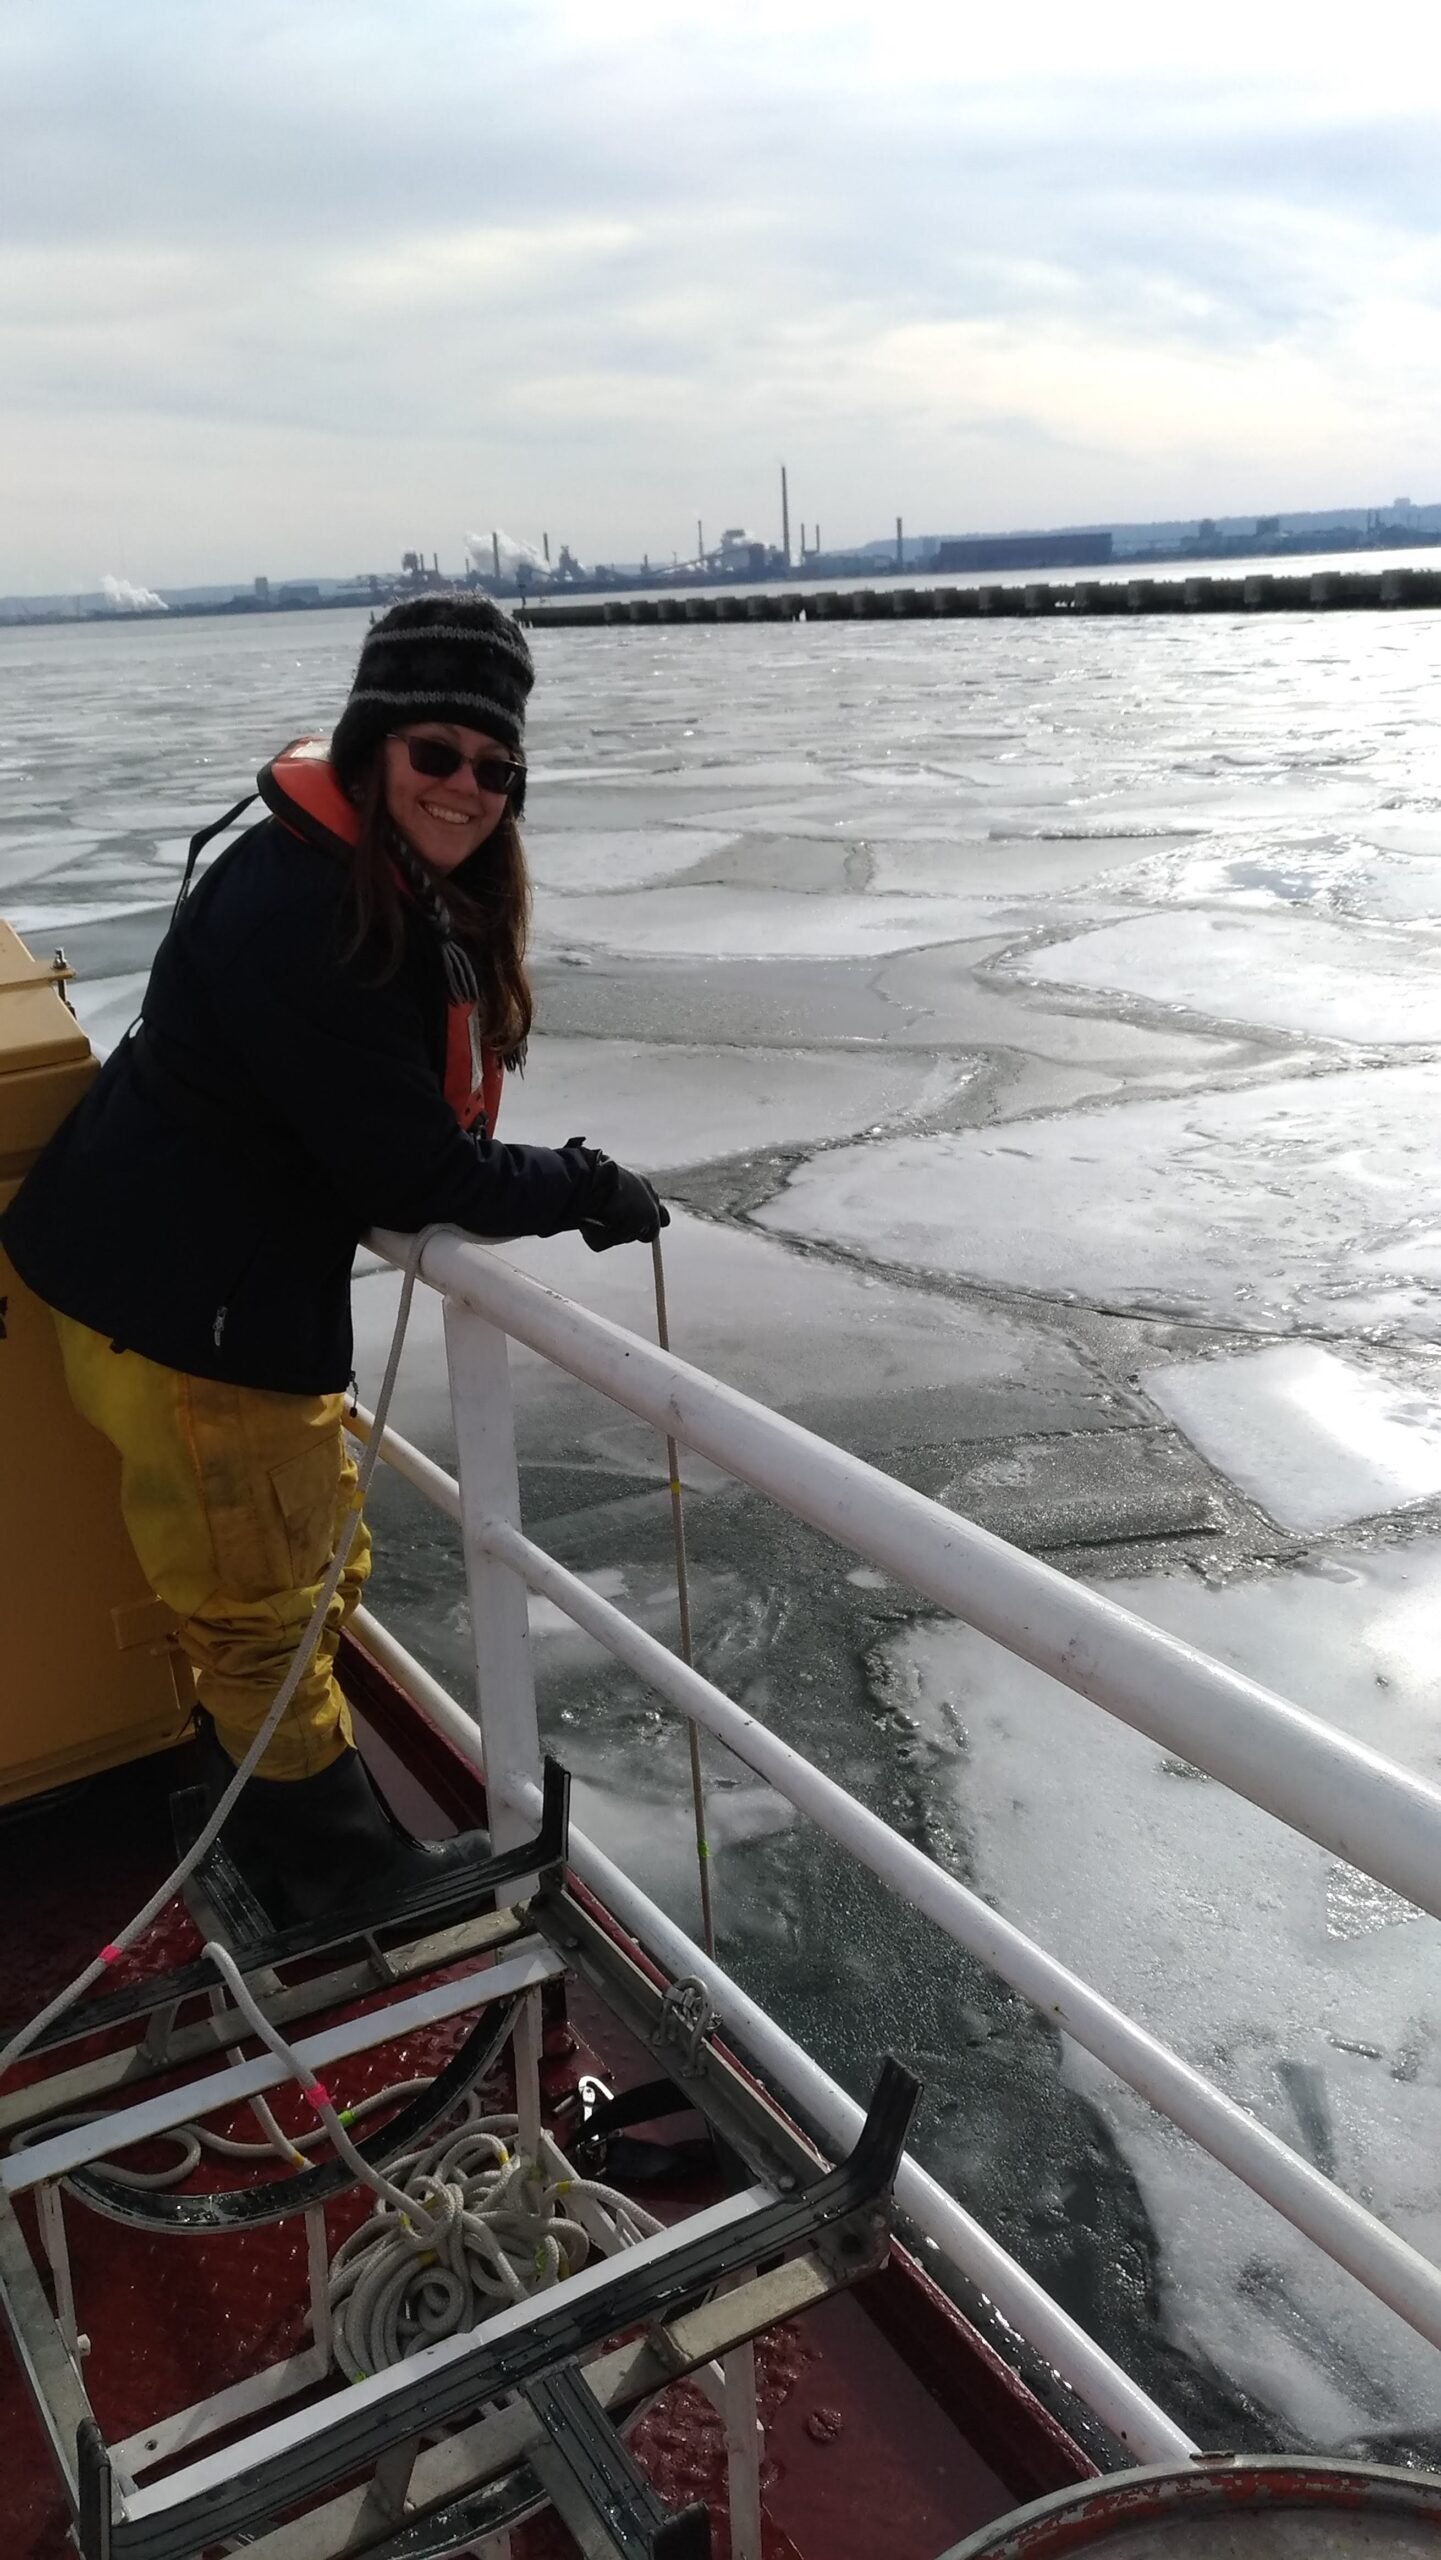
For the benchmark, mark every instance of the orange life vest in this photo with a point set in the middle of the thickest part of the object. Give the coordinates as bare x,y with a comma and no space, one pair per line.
300,789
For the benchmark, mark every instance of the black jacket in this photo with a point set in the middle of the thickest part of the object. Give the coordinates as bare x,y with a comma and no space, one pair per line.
203,1202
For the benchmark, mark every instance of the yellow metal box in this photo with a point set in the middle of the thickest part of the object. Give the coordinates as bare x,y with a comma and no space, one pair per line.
89,1674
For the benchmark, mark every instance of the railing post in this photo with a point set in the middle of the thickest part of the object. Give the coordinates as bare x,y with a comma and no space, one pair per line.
499,1604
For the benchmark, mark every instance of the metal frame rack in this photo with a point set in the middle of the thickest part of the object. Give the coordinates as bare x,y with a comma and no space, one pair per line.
525,2404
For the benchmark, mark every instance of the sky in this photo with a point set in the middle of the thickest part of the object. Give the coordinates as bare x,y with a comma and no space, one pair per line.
288,290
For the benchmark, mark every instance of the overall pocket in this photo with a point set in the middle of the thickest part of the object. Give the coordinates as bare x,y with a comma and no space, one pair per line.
307,1493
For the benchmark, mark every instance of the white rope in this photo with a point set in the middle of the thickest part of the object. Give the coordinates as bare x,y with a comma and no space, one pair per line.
191,2139
314,2090
459,2226
462,2225
483,2225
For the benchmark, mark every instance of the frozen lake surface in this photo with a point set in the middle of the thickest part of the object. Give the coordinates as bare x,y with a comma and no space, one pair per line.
1037,1031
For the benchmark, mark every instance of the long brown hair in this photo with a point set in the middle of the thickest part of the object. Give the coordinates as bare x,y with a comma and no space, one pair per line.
490,916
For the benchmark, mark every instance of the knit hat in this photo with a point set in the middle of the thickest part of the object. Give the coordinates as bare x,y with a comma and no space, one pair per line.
454,658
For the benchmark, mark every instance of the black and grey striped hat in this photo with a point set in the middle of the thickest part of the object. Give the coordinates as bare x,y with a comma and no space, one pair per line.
438,657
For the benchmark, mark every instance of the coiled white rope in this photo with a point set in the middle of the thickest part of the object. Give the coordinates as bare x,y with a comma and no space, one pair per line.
460,2225
481,2225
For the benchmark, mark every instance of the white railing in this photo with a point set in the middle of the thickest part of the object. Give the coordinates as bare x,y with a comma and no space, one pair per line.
1333,1790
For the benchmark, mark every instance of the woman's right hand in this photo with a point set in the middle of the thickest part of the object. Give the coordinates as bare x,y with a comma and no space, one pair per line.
616,1206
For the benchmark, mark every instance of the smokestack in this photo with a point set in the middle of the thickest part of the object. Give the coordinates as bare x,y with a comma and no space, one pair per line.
495,555
699,540
545,546
435,562
815,539
785,518
900,546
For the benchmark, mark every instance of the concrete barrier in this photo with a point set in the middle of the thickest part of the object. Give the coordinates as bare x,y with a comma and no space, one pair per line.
1333,588
1262,591
1410,586
1275,595
1154,595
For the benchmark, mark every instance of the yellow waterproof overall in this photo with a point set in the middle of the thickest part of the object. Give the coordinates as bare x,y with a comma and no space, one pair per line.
233,1498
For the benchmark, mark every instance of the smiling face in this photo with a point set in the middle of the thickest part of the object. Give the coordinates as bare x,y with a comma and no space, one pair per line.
443,822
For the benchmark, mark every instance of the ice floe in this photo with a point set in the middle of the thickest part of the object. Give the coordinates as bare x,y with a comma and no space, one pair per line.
1301,1202
1316,1440
1301,974
580,858
1338,875
755,925
655,1104
996,866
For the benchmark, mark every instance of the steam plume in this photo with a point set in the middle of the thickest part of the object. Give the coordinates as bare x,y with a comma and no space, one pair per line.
123,596
514,554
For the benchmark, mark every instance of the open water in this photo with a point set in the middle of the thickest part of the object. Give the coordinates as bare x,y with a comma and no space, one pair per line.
1037,1032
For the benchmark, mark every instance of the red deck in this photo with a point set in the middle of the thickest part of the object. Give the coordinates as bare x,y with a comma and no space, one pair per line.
891,2427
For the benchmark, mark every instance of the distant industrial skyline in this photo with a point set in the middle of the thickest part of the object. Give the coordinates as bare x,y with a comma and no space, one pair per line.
267,300
1400,520
504,557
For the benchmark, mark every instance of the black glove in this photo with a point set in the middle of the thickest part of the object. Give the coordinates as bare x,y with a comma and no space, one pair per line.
616,1206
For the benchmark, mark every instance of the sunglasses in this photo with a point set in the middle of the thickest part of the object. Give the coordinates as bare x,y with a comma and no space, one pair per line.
433,757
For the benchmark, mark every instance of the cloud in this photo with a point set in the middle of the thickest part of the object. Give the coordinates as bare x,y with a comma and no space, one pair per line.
362,282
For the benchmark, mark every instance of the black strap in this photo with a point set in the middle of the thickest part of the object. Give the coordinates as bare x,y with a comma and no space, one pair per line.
653,2099
199,842
601,2147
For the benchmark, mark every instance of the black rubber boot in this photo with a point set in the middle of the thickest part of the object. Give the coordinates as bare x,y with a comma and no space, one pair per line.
310,1846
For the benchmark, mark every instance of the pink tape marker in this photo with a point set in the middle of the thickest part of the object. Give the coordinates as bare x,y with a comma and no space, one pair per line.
110,1955
318,2094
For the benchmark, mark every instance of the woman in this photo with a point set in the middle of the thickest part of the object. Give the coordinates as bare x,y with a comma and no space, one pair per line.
321,1050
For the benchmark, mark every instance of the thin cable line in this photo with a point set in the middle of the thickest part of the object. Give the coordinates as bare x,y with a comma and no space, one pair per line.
682,1584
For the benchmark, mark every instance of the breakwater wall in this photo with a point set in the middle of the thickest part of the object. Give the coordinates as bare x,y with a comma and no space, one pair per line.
1312,591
